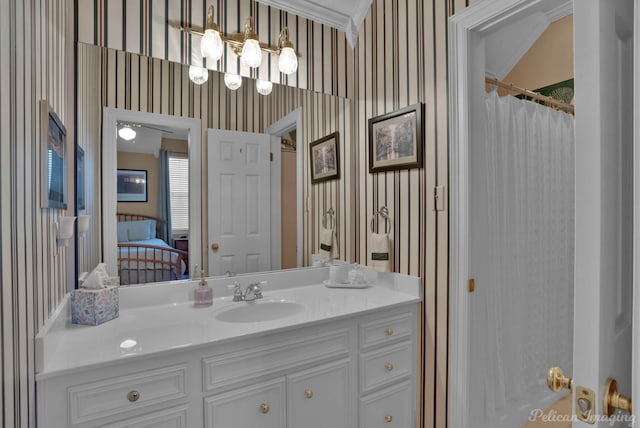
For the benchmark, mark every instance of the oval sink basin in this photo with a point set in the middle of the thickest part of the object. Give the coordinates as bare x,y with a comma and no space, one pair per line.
267,310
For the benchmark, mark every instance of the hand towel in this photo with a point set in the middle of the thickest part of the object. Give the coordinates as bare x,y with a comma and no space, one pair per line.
379,258
329,244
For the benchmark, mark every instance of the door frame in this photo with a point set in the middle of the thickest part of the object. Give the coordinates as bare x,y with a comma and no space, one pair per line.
110,117
291,121
467,31
635,363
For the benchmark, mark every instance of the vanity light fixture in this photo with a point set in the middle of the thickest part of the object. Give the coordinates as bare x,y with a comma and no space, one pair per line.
127,133
232,81
198,75
264,87
245,44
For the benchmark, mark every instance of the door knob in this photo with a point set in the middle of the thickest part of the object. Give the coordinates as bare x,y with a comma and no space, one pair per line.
215,246
614,400
556,380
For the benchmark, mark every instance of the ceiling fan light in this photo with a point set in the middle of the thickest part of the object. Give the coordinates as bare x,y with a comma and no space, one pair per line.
288,61
264,87
198,75
127,133
251,53
211,45
232,81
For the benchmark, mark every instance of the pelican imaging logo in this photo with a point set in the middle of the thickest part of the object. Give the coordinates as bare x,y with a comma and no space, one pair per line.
553,416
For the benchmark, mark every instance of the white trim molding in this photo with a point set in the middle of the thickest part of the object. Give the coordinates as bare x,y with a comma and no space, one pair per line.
111,116
288,123
347,16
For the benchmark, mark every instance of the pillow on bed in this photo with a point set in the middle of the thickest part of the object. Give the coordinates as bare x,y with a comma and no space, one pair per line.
123,231
141,230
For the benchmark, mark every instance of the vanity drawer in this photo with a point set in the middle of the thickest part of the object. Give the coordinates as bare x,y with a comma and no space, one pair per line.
381,367
385,331
272,360
125,393
390,408
171,418
260,405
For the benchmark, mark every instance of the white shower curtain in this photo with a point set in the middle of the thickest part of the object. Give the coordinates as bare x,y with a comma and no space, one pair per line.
522,228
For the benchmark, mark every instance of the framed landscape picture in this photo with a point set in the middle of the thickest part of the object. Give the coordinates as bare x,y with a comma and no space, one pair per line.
325,159
396,139
132,185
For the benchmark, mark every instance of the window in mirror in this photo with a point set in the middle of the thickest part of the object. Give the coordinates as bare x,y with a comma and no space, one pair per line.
179,192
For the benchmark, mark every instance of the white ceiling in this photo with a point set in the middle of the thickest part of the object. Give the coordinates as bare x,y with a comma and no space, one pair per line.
345,15
149,140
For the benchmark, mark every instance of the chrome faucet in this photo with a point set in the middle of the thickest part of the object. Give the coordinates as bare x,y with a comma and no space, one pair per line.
251,293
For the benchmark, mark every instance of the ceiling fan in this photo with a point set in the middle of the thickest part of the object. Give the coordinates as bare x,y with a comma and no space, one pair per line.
126,130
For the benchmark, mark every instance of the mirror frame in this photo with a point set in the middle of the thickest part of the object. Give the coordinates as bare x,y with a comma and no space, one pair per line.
110,118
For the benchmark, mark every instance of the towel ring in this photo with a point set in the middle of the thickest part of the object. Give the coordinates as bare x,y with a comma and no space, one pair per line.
384,213
330,212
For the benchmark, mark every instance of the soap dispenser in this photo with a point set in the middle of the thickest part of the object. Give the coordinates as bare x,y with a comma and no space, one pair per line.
203,294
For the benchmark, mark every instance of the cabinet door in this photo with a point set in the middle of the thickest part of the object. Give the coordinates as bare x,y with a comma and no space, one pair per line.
260,405
389,408
320,397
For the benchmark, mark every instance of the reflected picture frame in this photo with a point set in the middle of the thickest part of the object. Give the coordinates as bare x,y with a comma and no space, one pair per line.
325,158
396,139
53,161
80,177
132,185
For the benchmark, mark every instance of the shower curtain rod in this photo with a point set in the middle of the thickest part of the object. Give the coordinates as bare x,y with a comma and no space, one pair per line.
547,100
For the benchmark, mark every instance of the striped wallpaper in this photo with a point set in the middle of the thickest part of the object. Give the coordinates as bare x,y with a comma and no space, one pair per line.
140,83
36,46
143,27
89,113
400,59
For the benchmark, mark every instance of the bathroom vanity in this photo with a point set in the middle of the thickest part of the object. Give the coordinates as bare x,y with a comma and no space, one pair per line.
302,356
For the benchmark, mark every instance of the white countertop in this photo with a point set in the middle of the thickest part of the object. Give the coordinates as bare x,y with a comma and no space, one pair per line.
162,318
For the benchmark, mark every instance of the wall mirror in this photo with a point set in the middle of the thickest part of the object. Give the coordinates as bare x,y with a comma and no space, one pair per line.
122,88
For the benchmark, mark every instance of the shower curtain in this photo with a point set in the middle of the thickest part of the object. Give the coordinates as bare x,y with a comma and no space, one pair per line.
522,228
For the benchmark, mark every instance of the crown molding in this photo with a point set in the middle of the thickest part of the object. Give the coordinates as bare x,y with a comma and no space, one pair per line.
344,16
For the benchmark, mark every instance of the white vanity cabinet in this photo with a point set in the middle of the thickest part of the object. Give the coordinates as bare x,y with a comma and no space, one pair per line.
354,371
387,365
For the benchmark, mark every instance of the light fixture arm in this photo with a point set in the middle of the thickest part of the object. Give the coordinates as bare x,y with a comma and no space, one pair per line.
211,22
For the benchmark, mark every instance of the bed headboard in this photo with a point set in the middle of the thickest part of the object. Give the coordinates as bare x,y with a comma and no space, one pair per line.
134,217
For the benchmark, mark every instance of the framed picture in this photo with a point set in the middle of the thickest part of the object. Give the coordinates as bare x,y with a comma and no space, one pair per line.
325,159
132,185
53,189
80,178
395,139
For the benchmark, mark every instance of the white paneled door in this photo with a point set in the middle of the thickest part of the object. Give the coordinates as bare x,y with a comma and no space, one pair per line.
603,312
239,202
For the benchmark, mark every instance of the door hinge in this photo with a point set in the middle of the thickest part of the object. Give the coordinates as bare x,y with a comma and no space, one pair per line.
271,156
472,285
438,198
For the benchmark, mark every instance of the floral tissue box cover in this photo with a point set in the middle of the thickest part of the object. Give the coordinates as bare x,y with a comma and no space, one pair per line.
93,307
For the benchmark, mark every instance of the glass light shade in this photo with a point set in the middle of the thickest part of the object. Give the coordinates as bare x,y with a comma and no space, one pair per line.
198,75
127,133
251,53
288,61
232,81
264,87
211,45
